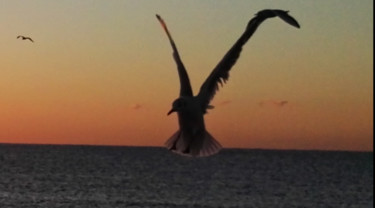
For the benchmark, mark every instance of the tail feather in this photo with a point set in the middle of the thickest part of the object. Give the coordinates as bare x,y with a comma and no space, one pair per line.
200,146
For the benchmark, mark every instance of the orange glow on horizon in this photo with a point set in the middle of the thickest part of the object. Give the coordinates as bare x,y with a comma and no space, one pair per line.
102,73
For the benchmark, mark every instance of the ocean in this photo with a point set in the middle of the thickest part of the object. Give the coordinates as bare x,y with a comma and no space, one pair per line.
109,176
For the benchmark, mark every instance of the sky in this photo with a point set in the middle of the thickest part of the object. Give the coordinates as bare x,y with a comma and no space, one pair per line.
102,72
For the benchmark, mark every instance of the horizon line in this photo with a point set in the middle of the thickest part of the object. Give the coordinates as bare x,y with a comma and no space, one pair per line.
152,146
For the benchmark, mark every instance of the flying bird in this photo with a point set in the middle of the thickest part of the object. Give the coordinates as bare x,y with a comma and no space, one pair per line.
25,38
192,138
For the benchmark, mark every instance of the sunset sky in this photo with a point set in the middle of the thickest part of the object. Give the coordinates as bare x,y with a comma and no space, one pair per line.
102,72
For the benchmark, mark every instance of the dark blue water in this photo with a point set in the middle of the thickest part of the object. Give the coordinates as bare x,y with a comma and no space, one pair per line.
96,176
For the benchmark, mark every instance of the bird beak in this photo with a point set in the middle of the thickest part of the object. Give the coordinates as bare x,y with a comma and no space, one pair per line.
171,111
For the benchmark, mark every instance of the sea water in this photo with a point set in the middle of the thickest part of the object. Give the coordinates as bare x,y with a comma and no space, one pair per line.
105,176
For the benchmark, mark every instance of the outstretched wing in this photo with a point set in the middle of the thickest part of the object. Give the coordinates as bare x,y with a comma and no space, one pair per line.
29,39
286,17
185,87
220,74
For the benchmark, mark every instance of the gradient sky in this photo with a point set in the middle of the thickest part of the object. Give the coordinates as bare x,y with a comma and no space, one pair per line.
101,72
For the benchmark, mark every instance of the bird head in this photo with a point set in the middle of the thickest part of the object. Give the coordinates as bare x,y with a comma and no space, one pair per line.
178,105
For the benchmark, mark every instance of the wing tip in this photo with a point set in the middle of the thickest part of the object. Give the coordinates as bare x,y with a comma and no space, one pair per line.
158,17
283,14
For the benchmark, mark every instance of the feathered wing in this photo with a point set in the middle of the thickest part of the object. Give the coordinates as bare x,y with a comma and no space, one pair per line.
286,17
200,145
25,38
185,87
220,74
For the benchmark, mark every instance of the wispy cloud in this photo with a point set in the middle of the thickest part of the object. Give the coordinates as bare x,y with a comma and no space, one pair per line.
225,102
275,103
136,106
281,103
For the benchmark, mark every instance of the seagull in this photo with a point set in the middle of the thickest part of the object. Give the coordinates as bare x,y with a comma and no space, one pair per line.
25,38
192,138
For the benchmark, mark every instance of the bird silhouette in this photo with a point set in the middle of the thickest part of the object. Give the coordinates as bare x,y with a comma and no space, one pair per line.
25,38
192,138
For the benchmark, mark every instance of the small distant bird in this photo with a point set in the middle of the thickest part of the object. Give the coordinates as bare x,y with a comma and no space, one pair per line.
192,139
25,38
